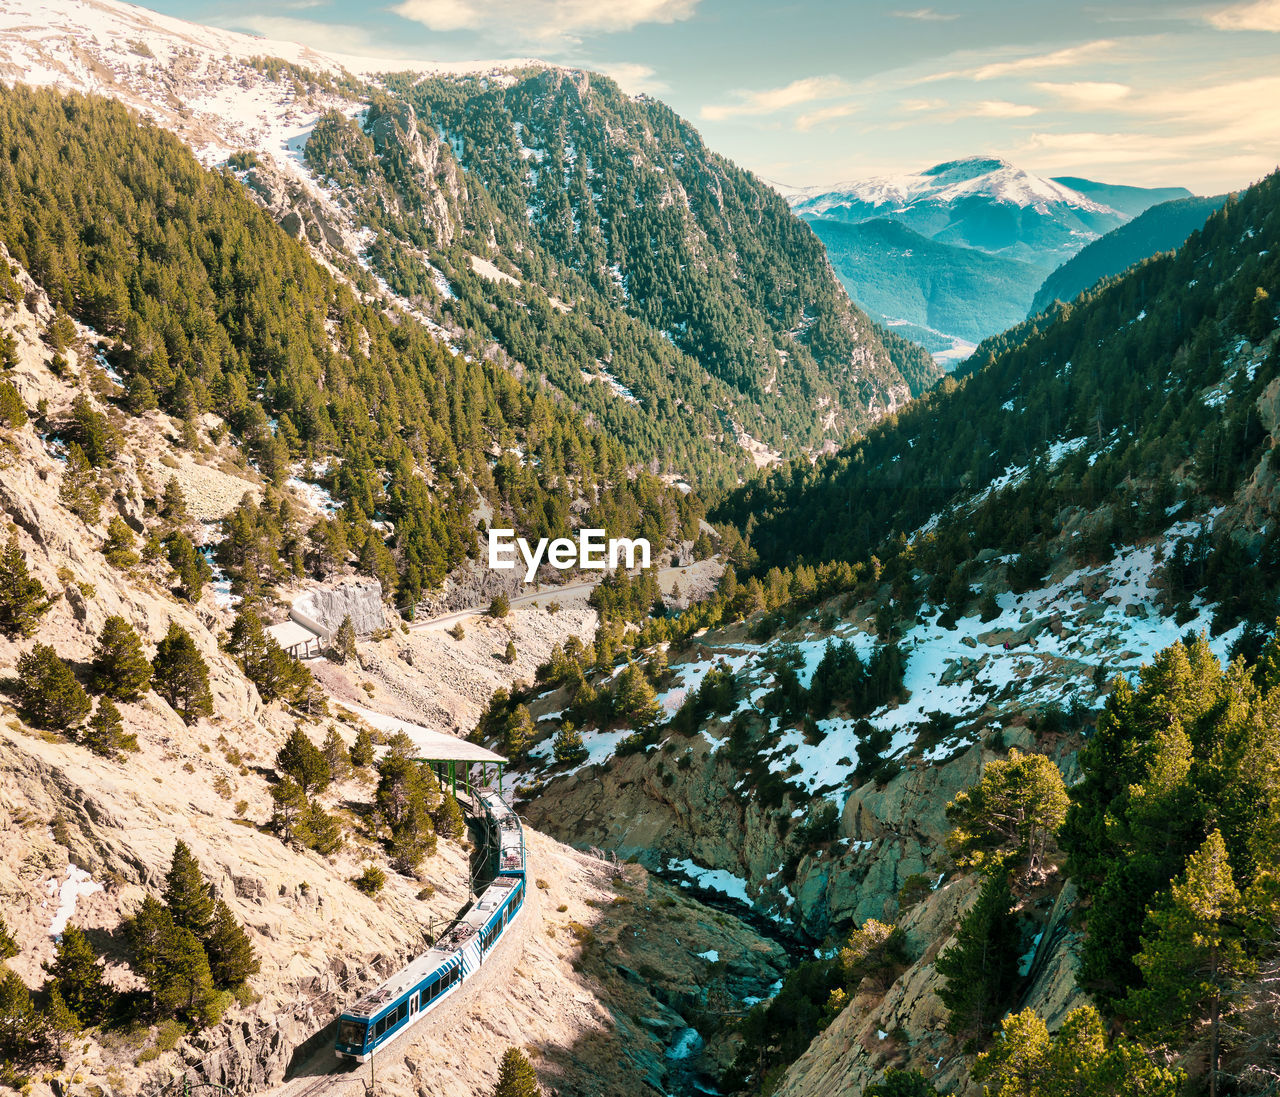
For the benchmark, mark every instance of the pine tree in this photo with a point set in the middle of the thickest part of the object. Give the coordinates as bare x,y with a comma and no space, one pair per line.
181,676
336,755
902,1083
448,818
8,946
79,489
77,975
517,732
319,830
300,759
48,692
174,964
509,655
980,966
635,701
267,665
118,549
342,648
188,897
362,753
232,958
516,1077
24,1041
105,732
1011,812
61,1019
567,746
173,505
120,668
1193,954
190,568
22,598
289,807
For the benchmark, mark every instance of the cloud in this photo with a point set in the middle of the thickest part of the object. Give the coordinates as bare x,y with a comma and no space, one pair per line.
1000,108
806,122
1063,58
328,37
547,22
811,89
632,78
1087,93
1259,15
926,15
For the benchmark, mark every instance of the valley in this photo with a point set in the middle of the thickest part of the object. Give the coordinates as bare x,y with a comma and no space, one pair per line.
934,749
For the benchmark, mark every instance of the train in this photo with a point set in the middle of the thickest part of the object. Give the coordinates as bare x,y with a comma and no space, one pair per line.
415,990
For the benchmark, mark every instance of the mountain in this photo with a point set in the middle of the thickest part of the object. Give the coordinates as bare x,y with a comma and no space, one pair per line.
1130,201
545,273
984,208
1162,227
893,271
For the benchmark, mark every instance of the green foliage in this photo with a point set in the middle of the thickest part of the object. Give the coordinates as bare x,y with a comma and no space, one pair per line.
190,568
173,504
76,975
189,899
635,703
302,760
267,665
342,648
901,1083
120,668
13,412
1011,813
981,965
509,655
875,956
371,880
22,597
174,964
181,676
1025,1061
78,491
407,799
118,548
24,1042
516,1076
448,818
567,746
362,749
99,439
105,732
48,693
8,946
499,606
336,755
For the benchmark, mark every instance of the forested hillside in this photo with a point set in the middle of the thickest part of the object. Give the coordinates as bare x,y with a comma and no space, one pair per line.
1060,417
205,305
1161,228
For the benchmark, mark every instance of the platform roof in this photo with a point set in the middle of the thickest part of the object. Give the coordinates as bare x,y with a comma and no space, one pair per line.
433,746
290,634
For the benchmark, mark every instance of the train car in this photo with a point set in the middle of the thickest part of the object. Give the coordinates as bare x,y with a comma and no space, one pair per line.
415,990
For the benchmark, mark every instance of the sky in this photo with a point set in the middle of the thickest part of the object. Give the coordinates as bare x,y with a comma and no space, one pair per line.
811,92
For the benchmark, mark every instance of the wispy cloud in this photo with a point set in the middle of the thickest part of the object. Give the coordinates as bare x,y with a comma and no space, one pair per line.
1259,15
1000,108
549,23
832,113
633,78
811,89
1063,58
339,38
1087,94
926,15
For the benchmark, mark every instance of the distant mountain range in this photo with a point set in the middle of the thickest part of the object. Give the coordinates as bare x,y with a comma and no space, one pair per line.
984,235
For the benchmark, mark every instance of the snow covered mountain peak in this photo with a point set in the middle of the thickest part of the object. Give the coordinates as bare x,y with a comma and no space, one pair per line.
985,177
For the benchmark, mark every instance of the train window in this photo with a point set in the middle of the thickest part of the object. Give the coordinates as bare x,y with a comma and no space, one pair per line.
351,1033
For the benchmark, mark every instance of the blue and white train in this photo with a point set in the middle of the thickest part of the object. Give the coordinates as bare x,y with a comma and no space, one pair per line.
411,993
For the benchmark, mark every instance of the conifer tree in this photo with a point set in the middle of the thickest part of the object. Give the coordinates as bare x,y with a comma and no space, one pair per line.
105,732
1193,954
362,753
22,597
567,746
120,669
517,732
635,701
516,1077
300,759
232,957
48,692
13,412
186,894
267,665
336,755
79,489
174,964
288,810
320,830
173,504
980,966
77,975
118,548
343,645
8,946
449,821
181,676
509,655
61,1019
901,1083
23,1033
190,567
